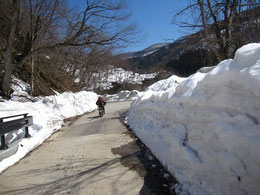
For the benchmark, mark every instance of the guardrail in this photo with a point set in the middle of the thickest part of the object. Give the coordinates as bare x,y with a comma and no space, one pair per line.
12,125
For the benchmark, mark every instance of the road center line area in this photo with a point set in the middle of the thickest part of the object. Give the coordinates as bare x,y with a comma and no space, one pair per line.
93,155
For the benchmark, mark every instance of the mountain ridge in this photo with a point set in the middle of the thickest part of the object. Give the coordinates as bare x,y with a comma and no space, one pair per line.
188,54
144,52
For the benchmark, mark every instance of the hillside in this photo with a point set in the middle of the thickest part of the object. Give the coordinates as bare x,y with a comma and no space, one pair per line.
188,54
145,52
182,57
115,80
72,69
46,78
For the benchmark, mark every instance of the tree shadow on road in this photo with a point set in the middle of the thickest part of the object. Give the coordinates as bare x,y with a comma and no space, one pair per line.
94,117
157,180
69,183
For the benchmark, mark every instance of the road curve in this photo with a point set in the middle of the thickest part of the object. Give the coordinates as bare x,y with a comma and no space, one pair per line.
84,158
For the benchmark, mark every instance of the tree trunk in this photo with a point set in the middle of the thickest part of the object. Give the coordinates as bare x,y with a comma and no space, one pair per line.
32,76
204,22
7,54
9,67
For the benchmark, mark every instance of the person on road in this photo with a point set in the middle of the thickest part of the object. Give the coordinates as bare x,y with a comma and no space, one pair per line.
101,103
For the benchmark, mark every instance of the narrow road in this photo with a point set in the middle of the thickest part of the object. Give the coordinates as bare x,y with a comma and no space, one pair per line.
85,158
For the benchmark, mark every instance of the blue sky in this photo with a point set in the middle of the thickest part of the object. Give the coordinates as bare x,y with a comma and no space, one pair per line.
153,17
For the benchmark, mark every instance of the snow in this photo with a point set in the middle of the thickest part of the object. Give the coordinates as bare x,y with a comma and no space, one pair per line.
150,50
105,79
48,115
149,53
206,129
165,84
121,96
21,90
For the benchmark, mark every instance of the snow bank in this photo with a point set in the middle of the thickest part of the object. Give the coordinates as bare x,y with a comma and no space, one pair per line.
48,114
206,130
165,84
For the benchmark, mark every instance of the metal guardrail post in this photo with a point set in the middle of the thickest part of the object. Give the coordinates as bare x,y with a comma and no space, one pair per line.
27,132
26,128
3,145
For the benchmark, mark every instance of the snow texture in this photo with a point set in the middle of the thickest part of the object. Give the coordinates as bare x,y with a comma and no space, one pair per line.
121,96
48,115
119,75
165,84
206,130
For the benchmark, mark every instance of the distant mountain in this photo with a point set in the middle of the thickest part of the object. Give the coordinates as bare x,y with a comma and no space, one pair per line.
157,57
150,50
145,52
188,54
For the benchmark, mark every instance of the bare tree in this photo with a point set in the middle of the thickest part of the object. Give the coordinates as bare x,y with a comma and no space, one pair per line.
35,27
84,65
218,20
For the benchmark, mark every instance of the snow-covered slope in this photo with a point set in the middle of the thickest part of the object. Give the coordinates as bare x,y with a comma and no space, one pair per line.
150,50
104,80
121,96
145,52
206,130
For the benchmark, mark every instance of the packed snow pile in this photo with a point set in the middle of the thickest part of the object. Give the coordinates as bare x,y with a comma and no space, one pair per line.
48,115
122,96
21,91
166,84
206,131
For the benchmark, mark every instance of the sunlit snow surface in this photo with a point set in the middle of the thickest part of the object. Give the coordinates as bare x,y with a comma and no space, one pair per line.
122,96
106,79
206,130
48,114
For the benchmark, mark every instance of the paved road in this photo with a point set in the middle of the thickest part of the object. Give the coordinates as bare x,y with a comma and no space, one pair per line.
85,158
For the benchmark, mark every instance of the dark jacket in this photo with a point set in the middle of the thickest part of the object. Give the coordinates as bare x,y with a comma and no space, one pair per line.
100,102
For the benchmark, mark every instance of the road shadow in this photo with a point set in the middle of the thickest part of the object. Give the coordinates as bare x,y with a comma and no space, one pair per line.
157,180
94,117
69,183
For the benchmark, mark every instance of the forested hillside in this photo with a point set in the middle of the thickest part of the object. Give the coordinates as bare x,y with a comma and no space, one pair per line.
186,55
50,45
55,48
